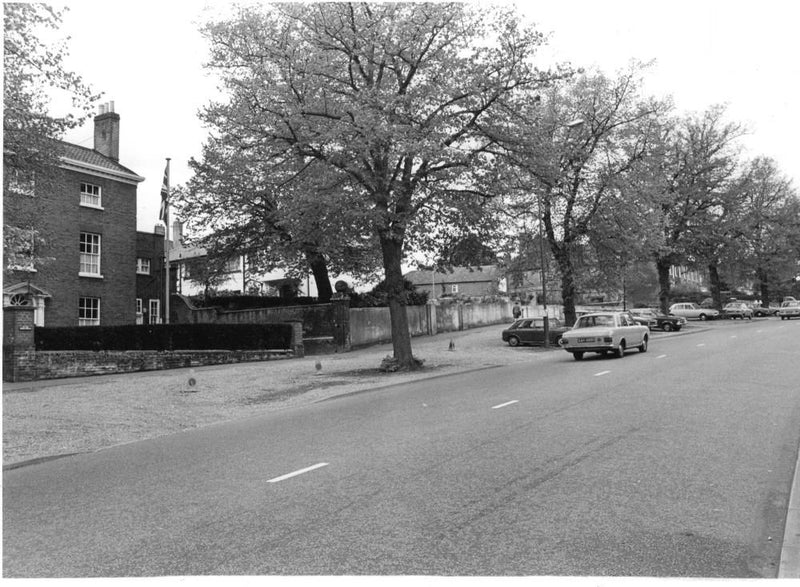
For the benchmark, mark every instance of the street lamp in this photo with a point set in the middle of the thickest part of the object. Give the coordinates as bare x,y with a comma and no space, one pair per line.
546,318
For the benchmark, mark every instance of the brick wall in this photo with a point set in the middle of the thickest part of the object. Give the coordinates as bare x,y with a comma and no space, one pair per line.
21,362
37,365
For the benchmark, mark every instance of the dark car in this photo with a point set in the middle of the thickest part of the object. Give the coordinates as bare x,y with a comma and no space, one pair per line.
737,310
643,319
530,331
662,321
762,311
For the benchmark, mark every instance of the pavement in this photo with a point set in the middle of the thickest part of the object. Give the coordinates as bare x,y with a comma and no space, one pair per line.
44,420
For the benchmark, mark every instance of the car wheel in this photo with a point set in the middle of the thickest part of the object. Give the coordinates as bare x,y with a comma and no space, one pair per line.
702,317
643,346
667,327
619,352
578,355
513,341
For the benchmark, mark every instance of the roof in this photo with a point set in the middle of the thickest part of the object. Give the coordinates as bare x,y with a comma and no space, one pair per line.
484,273
88,160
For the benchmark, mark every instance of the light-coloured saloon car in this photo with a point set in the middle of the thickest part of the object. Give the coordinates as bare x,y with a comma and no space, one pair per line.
693,311
605,332
789,310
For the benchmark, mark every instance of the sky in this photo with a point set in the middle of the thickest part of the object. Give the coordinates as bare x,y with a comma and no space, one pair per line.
148,58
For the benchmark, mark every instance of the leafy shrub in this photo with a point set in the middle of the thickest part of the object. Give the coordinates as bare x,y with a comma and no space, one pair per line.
379,296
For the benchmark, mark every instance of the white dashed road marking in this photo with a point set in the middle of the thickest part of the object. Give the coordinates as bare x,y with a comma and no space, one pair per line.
602,373
702,344
660,356
300,472
505,404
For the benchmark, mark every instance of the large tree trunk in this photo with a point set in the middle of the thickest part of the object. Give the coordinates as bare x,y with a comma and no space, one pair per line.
392,250
662,267
763,280
319,269
714,282
567,285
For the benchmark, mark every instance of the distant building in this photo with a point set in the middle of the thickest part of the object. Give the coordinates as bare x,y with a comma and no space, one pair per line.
683,275
480,281
86,219
189,276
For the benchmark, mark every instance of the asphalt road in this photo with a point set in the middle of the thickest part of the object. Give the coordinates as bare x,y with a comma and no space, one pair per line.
673,463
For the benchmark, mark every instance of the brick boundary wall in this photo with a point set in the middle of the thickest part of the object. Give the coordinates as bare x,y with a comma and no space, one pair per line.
37,365
21,362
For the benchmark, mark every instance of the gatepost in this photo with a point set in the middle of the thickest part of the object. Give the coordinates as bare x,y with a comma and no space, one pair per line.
431,316
341,318
18,328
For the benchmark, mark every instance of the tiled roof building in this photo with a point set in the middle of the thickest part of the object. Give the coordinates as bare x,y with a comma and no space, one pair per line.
459,281
83,224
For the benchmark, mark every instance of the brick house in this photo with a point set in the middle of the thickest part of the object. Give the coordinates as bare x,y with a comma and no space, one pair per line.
150,287
86,218
485,280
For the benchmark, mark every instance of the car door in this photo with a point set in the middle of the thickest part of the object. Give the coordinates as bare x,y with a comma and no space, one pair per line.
633,334
525,332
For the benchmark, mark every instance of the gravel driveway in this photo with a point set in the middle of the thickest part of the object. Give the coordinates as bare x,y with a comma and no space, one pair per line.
59,417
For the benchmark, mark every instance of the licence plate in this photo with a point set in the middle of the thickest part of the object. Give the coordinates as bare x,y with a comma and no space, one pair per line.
585,340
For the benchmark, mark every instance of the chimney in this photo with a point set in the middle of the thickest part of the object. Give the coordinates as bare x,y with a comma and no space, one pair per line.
106,131
177,233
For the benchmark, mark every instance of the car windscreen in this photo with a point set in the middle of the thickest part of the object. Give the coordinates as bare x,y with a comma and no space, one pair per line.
595,320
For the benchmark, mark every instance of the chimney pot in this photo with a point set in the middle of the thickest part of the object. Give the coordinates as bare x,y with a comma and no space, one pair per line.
106,133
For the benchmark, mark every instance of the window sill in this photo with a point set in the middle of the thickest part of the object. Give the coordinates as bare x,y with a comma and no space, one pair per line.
91,275
93,207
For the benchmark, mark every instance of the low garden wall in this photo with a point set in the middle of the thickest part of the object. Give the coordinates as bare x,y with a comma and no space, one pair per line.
36,365
22,362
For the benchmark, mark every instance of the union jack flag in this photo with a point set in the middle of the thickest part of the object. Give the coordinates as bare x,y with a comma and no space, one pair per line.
163,214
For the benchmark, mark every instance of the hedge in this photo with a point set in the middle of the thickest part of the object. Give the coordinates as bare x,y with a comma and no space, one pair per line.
165,337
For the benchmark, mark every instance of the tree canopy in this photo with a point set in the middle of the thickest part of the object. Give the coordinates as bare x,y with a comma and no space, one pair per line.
386,101
33,69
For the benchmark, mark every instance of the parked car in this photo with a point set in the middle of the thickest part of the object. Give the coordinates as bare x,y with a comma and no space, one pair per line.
789,310
605,332
761,311
530,331
644,320
693,311
662,321
737,310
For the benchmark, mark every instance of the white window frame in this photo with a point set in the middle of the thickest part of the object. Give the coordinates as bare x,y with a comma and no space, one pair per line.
453,288
90,249
91,195
88,311
154,310
142,266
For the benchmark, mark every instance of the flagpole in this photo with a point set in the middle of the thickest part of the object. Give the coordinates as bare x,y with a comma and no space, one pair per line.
165,197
